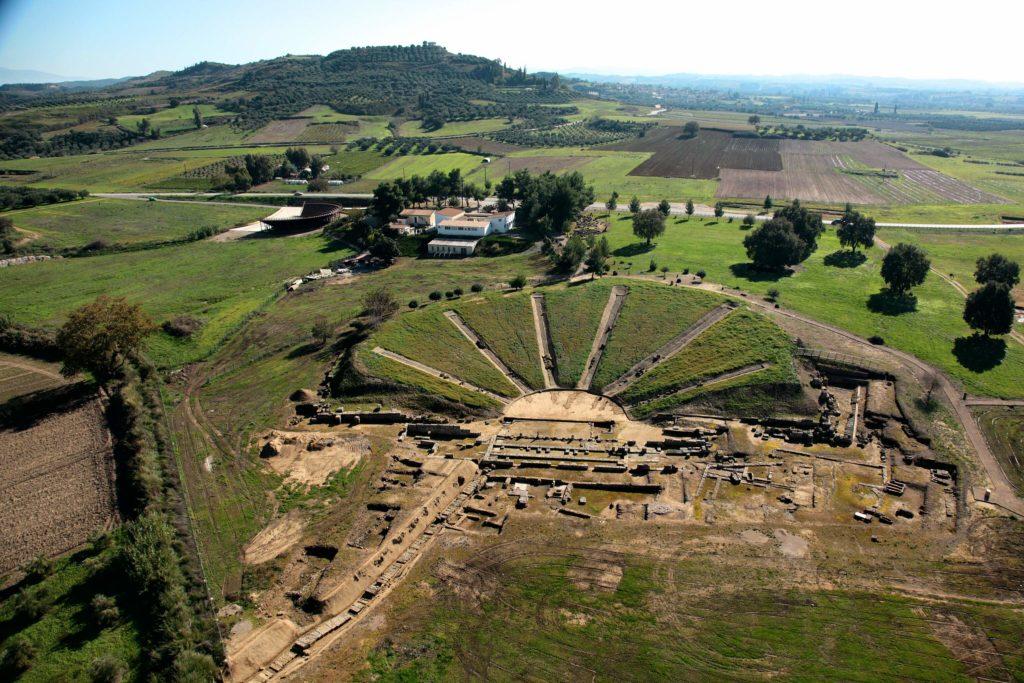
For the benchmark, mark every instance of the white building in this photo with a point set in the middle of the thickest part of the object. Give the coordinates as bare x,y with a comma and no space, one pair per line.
419,218
465,227
451,247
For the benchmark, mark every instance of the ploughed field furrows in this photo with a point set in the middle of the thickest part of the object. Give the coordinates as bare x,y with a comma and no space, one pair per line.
866,172
676,155
57,481
811,186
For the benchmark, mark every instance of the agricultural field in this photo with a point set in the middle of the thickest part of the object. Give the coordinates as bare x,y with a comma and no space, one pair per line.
650,317
1004,431
20,375
934,330
130,170
327,132
414,129
60,462
173,119
124,222
675,155
220,284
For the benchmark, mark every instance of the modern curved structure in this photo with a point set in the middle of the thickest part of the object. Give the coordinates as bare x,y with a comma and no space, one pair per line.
312,216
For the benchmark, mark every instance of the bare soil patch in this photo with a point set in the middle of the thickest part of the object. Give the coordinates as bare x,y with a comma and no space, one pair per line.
312,457
275,538
596,573
250,651
704,156
565,405
20,376
812,186
57,482
286,130
483,145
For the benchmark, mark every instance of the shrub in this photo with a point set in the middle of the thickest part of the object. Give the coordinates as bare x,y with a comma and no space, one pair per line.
652,267
182,326
38,569
105,610
773,294
414,304
435,295
458,291
32,604
701,274
876,340
19,655
476,287
518,282
449,294
107,669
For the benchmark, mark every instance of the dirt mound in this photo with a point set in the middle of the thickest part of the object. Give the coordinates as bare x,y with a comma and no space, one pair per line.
312,457
304,396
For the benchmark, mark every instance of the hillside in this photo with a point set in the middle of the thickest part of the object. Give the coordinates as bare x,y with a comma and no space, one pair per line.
424,82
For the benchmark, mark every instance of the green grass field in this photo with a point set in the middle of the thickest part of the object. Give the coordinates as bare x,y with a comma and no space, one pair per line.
67,638
173,119
835,295
219,283
742,338
128,170
956,252
386,368
414,129
651,315
428,337
505,323
1004,431
655,626
125,221
574,314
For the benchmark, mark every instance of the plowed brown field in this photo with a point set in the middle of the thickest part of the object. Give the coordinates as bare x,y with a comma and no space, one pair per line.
677,156
56,484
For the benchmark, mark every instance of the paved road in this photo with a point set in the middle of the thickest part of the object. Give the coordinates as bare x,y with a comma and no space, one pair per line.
678,209
705,211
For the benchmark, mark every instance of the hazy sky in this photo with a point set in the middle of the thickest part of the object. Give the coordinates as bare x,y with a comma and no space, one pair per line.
102,38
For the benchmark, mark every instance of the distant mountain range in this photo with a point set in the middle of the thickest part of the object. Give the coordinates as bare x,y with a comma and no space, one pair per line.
31,76
789,83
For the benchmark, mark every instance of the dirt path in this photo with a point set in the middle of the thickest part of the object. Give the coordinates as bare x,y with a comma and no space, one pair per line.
674,346
1003,494
470,334
434,372
36,369
540,328
616,298
724,377
983,401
